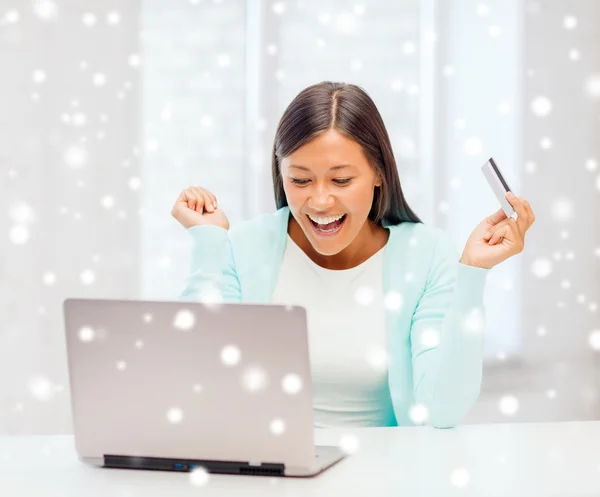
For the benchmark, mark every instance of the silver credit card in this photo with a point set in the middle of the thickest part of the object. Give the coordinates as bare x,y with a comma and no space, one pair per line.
498,185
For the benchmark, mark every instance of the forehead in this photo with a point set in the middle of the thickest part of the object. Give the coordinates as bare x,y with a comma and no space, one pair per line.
329,149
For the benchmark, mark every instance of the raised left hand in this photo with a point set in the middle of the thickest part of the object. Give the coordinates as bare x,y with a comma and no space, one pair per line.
499,237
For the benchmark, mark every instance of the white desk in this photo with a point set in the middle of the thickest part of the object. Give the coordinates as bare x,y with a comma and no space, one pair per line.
508,460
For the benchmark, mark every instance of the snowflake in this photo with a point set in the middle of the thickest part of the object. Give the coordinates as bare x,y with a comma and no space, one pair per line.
175,415
495,31
364,295
570,22
291,383
199,476
473,146
508,405
349,444
562,209
99,79
418,414
541,267
46,10
38,76
255,379
113,18
230,355
277,426
88,19
19,234
541,106
460,477
184,320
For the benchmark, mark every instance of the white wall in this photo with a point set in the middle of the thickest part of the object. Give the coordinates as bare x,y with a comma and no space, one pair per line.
557,376
65,145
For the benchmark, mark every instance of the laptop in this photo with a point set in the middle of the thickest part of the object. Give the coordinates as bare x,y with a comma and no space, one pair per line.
171,385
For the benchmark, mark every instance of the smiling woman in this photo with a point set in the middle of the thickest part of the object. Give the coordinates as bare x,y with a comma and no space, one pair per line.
395,317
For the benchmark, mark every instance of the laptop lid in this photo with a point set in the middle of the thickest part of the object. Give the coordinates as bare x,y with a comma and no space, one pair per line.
187,380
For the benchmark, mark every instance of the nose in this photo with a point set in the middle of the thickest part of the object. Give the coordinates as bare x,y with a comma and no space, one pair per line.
321,198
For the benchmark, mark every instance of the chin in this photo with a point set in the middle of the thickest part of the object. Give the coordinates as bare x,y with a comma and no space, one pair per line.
328,250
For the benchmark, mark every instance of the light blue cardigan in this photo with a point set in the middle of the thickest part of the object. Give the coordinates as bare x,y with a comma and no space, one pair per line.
420,264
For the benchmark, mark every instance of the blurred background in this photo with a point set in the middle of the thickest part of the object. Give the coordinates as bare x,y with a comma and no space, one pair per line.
108,109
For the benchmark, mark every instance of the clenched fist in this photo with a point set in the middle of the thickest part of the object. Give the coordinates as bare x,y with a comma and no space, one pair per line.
197,206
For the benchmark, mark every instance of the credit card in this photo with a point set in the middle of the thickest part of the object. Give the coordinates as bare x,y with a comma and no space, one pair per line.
498,185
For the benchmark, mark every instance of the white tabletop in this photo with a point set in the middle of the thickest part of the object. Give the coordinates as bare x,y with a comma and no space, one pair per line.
547,459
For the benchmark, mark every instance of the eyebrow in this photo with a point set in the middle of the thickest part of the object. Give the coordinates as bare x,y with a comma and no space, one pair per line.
304,168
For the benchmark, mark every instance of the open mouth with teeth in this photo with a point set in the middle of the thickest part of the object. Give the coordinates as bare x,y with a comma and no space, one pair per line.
327,225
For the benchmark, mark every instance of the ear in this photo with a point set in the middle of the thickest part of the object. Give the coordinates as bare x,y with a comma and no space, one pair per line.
377,181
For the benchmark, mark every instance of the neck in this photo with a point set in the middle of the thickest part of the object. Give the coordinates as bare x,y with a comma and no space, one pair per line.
370,239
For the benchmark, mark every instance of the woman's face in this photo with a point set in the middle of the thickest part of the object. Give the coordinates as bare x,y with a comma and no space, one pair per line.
329,186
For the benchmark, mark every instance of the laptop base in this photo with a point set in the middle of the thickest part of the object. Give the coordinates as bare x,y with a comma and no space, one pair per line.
326,456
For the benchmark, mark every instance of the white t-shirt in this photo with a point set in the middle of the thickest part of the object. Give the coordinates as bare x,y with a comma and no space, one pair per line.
347,337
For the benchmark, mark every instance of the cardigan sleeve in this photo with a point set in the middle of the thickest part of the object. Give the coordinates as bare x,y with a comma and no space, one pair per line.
447,337
213,276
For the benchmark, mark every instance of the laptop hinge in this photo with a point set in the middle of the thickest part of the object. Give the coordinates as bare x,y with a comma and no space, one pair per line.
212,466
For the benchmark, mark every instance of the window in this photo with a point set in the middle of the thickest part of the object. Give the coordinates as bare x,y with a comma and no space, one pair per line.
218,76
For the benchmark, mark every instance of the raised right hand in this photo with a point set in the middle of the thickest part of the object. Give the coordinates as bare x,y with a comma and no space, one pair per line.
197,206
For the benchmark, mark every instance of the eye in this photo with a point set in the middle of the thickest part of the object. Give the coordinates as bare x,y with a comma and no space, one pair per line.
296,181
344,181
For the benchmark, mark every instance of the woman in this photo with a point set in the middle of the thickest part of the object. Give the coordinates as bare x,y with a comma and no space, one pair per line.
395,318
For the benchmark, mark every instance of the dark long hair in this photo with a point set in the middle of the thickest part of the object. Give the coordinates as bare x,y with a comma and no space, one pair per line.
348,109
